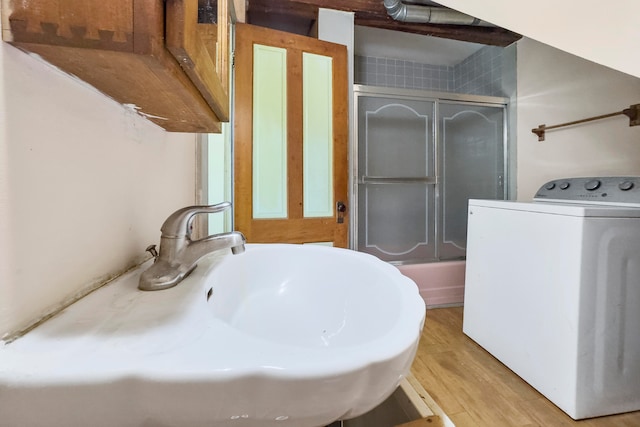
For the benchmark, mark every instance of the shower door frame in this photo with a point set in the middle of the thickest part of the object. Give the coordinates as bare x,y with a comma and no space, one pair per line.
436,98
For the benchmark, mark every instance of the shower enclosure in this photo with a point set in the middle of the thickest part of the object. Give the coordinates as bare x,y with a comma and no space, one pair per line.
419,157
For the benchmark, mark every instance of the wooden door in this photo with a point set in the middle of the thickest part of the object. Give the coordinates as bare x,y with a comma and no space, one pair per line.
289,126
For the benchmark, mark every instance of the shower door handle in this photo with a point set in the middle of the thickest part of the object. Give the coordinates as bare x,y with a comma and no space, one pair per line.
341,208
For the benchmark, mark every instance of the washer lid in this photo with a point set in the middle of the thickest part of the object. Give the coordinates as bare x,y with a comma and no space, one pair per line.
561,208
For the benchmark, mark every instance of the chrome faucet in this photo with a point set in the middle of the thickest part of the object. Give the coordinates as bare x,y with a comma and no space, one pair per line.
179,254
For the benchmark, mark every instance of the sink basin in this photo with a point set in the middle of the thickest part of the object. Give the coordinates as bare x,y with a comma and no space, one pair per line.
282,335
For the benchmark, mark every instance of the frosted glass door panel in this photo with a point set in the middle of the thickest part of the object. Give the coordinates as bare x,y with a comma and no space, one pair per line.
395,138
396,221
472,167
317,80
396,177
269,132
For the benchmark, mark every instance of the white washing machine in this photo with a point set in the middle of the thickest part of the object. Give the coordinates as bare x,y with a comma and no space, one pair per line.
553,291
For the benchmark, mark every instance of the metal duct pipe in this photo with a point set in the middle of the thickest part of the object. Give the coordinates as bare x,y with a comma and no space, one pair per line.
427,14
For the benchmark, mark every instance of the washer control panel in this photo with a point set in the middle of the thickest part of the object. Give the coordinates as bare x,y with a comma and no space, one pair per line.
603,190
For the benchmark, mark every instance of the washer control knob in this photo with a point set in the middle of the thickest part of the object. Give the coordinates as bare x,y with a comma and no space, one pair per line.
564,185
594,184
552,185
625,185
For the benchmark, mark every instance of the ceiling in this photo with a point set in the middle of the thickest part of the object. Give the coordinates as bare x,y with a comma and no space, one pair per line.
299,16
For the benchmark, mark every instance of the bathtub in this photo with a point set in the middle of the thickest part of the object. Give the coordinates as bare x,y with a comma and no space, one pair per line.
440,283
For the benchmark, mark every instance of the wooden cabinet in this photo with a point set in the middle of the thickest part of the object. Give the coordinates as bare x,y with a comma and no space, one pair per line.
172,70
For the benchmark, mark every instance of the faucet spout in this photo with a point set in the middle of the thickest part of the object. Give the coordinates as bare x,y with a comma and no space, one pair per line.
197,249
179,254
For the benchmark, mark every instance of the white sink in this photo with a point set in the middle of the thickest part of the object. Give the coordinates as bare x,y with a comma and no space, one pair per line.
282,335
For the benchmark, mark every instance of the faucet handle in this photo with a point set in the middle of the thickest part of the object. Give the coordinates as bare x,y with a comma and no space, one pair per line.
177,225
152,250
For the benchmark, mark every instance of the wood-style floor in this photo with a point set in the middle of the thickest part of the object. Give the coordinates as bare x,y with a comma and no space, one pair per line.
475,390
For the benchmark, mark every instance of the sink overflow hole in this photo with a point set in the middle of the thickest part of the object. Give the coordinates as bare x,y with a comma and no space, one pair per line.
209,293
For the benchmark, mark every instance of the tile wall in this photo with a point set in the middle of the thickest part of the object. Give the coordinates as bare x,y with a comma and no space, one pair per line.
402,74
479,74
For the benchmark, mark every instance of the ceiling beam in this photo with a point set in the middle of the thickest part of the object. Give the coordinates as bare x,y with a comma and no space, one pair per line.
372,13
484,35
296,9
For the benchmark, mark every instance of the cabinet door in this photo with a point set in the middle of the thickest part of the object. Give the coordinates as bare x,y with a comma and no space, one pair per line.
202,50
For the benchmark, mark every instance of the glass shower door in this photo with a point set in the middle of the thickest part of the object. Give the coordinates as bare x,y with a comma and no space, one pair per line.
472,166
396,178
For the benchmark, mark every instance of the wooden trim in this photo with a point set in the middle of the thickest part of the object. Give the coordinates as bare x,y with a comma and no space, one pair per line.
148,27
6,11
295,133
427,400
243,131
431,421
209,36
341,143
304,229
223,46
185,43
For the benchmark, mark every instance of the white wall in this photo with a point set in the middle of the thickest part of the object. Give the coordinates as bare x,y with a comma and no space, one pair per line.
556,87
338,27
606,33
84,187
